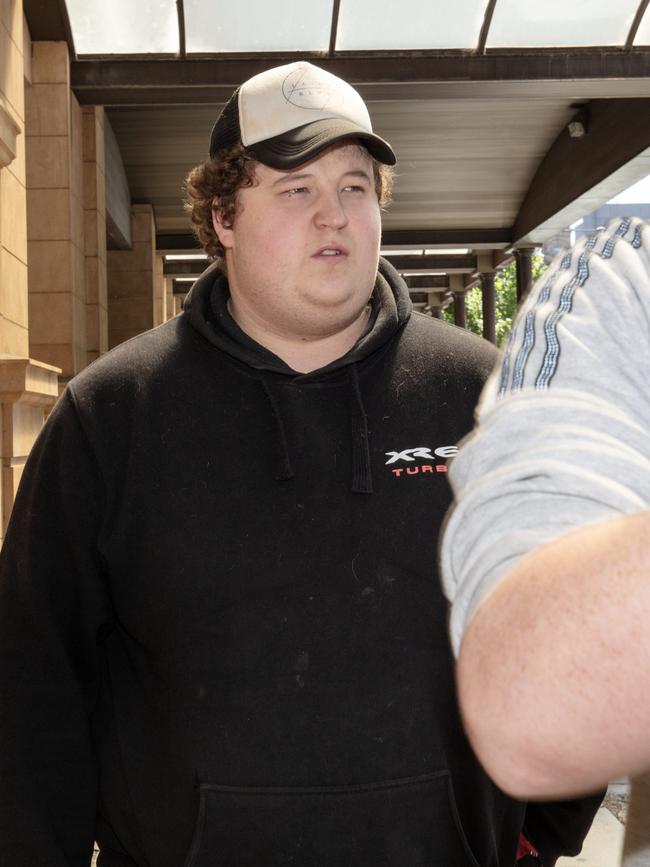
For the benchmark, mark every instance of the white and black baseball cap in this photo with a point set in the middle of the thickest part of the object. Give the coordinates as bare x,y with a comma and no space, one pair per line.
289,114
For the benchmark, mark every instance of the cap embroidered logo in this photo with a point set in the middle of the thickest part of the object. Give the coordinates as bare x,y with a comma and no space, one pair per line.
304,90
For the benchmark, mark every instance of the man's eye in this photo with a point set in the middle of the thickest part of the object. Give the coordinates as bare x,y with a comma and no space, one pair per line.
354,188
295,191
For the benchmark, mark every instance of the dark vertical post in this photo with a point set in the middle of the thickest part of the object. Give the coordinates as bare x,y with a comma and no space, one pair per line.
524,264
435,310
489,307
334,26
180,11
460,312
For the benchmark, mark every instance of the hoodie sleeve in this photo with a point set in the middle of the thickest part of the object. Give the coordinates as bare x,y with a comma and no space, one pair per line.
563,434
558,828
53,603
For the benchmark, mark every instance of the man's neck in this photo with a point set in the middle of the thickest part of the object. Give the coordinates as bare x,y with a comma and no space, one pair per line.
302,354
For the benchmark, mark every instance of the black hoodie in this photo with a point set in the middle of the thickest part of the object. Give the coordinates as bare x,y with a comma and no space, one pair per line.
222,639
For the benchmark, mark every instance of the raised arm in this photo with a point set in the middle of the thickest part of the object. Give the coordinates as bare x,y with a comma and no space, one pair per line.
554,669
546,555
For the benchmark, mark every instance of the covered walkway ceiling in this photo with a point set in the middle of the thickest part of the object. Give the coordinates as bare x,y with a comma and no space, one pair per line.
475,97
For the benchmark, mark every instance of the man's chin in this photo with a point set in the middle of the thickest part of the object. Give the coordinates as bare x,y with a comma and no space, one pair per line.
334,294
326,318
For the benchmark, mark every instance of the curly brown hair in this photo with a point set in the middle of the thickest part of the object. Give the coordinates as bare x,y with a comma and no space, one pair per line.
221,177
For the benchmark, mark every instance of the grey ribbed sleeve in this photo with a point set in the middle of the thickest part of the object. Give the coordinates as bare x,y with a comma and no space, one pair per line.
563,435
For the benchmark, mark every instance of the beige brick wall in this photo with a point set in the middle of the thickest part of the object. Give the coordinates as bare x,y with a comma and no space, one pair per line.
13,244
27,389
55,213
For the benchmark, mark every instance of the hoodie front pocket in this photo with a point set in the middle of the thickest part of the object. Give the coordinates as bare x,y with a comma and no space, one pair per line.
396,823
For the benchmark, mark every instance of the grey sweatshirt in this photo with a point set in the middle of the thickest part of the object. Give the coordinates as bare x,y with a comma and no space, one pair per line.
563,434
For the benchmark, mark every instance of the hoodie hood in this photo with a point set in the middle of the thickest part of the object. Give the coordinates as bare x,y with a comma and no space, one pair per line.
207,312
206,308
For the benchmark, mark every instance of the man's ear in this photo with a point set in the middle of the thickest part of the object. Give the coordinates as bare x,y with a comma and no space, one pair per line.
224,232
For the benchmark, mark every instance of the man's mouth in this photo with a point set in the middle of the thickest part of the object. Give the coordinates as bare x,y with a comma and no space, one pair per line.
331,251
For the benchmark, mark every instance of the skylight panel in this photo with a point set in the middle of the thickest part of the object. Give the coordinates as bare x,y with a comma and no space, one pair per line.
556,23
251,25
124,27
409,24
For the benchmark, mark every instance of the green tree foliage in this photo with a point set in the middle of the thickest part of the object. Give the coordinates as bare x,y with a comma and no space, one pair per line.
505,289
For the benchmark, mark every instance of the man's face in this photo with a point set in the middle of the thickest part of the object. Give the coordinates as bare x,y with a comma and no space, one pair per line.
302,250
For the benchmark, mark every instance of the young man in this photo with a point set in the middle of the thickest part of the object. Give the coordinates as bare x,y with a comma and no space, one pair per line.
546,555
221,639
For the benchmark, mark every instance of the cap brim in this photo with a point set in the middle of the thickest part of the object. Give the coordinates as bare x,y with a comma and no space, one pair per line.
304,143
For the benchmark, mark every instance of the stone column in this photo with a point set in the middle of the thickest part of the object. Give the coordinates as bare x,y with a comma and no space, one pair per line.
131,280
94,201
169,297
160,294
460,310
434,303
489,306
458,291
178,303
57,292
524,265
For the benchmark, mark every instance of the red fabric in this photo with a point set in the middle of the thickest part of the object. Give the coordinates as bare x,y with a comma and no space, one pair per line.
525,847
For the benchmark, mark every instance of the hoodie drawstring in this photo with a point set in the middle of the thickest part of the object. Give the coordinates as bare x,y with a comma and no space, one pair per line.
283,469
361,472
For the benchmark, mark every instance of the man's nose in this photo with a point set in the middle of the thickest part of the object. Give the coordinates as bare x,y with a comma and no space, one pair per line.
330,211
